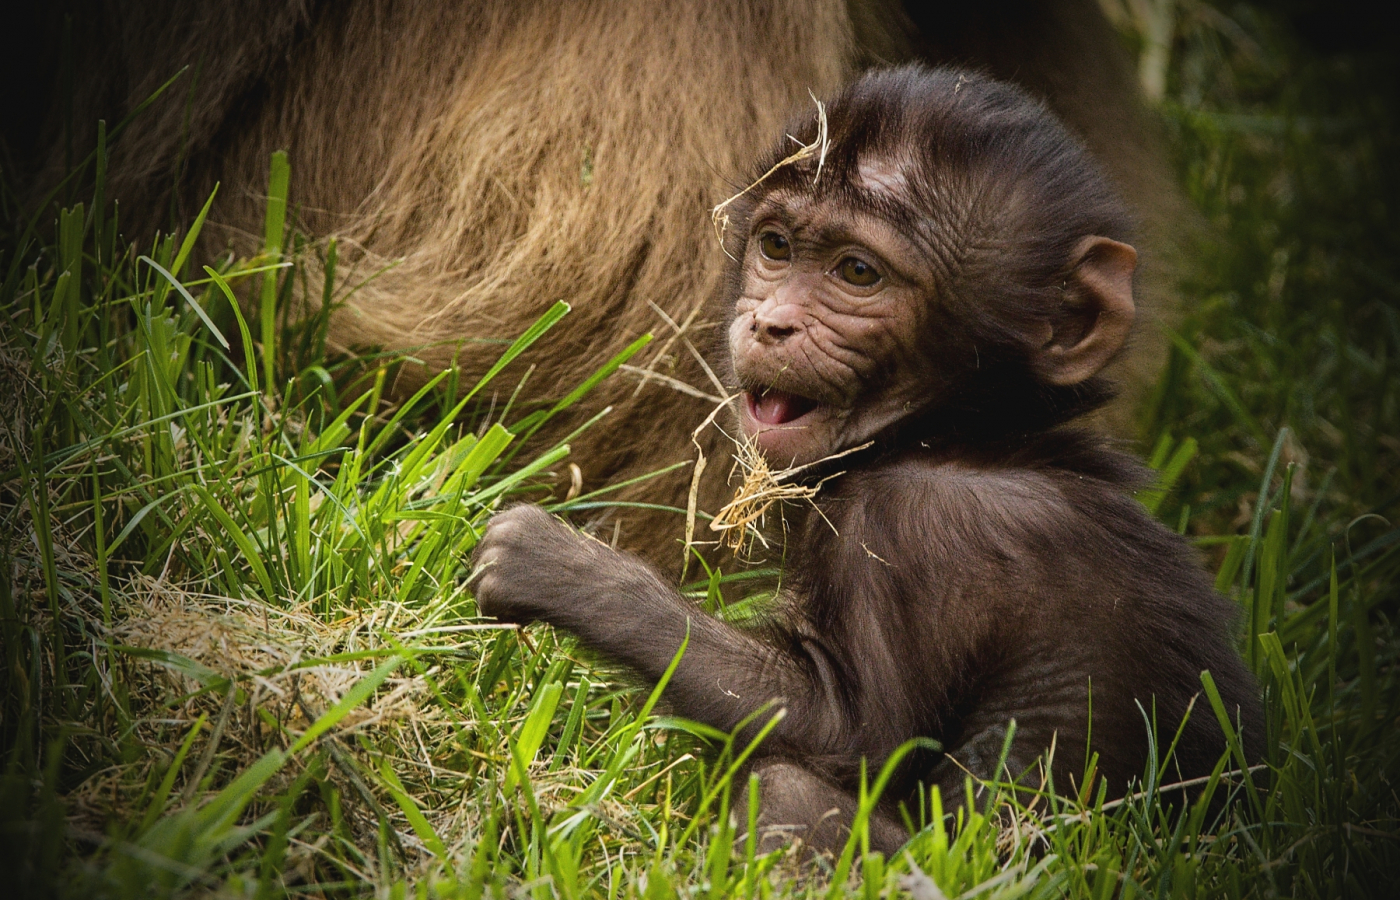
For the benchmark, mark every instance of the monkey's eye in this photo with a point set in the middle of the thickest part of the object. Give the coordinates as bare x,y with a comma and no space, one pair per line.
857,272
774,245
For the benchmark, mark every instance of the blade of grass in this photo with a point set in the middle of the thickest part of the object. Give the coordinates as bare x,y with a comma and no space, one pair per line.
413,813
252,554
189,298
279,178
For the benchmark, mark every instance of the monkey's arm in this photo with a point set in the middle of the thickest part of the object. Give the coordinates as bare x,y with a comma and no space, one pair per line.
534,567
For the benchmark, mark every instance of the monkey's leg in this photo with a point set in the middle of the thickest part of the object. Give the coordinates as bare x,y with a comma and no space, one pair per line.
794,804
976,758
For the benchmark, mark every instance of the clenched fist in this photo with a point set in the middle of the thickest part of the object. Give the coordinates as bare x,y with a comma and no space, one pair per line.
531,566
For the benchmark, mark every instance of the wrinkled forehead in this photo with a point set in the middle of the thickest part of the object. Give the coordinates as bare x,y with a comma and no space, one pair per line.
872,185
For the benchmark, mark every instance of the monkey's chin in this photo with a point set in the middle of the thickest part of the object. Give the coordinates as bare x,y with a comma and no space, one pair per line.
784,427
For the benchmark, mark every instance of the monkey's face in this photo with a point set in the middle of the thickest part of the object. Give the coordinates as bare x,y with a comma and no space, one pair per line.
828,335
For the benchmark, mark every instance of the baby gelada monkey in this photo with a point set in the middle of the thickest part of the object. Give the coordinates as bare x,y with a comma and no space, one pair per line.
944,281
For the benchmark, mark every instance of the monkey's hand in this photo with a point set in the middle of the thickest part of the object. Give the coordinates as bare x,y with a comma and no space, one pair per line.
530,566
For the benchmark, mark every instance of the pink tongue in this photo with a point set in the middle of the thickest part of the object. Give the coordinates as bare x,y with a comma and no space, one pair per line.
776,407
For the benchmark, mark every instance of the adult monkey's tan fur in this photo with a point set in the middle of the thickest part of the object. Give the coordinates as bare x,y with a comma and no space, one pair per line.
511,154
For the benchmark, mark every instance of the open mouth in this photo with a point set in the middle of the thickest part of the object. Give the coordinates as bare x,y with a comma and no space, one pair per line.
773,408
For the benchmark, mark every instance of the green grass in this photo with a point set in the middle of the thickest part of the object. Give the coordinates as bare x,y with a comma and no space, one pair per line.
239,656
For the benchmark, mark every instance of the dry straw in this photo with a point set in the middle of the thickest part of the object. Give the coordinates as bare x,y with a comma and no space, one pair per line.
738,523
761,488
719,216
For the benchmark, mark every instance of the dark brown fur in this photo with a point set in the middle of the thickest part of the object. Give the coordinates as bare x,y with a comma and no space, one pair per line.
455,137
979,562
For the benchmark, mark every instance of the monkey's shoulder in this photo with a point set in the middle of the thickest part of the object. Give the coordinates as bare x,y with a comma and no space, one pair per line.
1030,514
970,494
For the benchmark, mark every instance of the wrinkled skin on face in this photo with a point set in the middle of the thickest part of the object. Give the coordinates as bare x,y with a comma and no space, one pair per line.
827,336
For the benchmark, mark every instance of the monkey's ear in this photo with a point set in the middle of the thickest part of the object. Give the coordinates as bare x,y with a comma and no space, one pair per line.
1099,312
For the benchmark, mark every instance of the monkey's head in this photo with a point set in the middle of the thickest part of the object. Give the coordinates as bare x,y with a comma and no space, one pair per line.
953,265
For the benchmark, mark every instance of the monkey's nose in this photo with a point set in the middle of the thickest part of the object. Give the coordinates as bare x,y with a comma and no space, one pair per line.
771,330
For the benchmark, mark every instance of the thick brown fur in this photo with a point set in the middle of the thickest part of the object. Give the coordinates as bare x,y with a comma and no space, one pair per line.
504,155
